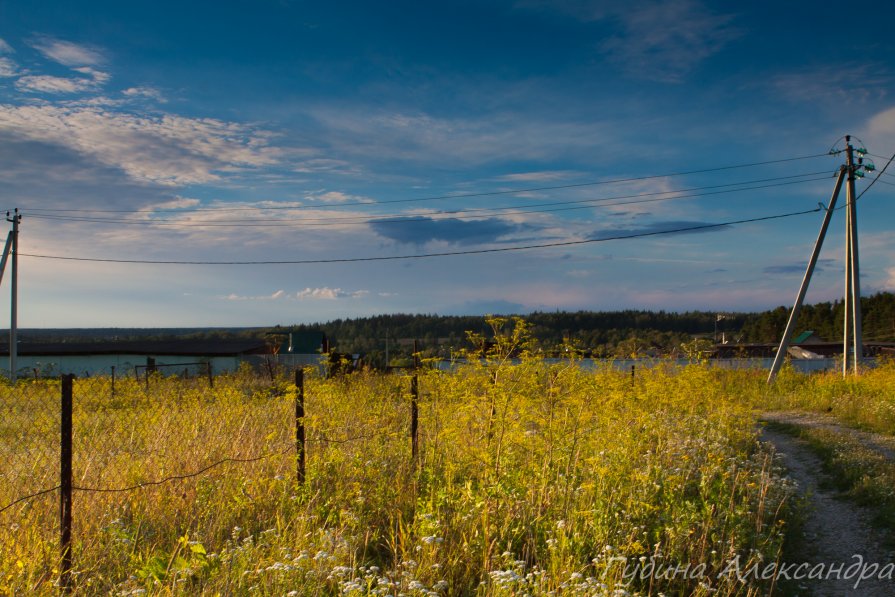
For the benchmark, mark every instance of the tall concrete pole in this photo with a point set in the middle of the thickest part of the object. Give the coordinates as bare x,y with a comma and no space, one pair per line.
14,302
846,301
853,253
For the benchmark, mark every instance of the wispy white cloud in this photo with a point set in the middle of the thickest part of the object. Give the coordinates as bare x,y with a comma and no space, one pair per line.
883,123
835,83
51,84
666,40
67,53
168,150
889,283
99,77
661,40
145,92
329,294
337,197
326,165
500,137
879,135
176,203
269,297
538,176
8,68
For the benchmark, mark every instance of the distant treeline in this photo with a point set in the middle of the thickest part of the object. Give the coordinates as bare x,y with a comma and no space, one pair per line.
597,333
607,333
613,333
826,320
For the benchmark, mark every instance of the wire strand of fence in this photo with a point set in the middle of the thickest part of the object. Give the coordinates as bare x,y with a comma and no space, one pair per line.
28,497
197,473
346,440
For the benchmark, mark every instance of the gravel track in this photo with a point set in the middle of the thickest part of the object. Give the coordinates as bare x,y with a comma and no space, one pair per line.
835,530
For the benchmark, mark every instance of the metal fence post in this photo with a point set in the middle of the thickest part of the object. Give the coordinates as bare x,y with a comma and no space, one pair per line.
65,483
414,405
414,416
300,425
210,375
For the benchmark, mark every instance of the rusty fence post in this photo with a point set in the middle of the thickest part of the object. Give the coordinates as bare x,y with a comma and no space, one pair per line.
414,405
300,425
414,416
210,375
65,484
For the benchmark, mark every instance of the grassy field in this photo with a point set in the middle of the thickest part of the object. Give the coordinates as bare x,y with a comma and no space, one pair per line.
865,402
532,478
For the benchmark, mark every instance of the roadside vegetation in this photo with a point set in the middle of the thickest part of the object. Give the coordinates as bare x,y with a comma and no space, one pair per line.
866,401
532,477
852,431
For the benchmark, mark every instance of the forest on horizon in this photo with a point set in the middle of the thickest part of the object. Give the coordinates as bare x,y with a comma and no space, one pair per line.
600,333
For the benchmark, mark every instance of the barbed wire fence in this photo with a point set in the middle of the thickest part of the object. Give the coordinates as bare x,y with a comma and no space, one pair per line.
84,458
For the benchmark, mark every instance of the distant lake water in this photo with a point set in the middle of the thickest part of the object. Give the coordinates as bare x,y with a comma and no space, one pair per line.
802,365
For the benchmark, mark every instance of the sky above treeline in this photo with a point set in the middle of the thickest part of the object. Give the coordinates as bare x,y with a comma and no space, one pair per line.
277,162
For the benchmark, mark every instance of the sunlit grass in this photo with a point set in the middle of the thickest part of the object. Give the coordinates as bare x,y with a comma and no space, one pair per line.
531,478
866,401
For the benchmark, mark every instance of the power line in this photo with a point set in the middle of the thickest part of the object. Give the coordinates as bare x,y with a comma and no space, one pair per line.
459,214
446,197
878,175
882,157
430,255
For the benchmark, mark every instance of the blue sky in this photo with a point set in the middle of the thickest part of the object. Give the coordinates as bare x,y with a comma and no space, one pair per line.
293,131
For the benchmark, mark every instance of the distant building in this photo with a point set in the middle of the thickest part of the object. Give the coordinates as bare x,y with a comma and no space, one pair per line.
808,337
129,357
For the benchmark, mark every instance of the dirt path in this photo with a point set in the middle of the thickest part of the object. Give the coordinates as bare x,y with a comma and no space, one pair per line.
836,531
883,444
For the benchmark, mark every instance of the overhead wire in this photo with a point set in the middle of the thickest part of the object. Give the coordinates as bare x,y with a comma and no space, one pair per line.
878,175
682,229
480,212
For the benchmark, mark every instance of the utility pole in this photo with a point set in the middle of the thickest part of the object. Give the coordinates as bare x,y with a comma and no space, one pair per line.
852,340
12,248
14,302
852,269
